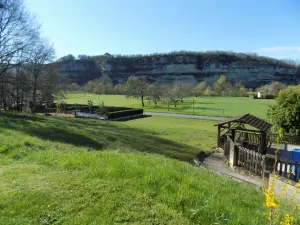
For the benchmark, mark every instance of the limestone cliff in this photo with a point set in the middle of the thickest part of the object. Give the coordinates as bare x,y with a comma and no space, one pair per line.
191,67
78,71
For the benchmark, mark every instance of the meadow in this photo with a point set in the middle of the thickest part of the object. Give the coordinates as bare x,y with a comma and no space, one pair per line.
78,171
206,106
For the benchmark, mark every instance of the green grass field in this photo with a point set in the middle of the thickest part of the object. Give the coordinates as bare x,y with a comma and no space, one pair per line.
78,171
207,106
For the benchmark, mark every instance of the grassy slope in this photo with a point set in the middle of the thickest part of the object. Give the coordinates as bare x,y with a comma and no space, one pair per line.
209,106
67,171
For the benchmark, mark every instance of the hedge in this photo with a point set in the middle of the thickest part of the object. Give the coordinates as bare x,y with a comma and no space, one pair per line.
125,113
95,108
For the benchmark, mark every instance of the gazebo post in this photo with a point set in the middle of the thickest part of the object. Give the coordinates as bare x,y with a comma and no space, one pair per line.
262,142
219,134
233,134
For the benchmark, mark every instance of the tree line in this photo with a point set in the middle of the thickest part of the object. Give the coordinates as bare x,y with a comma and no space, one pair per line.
27,77
172,93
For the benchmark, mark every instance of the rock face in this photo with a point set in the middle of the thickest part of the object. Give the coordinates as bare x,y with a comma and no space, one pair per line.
186,67
78,71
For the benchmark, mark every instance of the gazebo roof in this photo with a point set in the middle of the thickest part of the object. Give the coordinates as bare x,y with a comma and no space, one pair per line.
253,121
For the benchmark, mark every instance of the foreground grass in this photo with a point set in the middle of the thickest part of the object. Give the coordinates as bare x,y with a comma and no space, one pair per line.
207,106
199,135
76,171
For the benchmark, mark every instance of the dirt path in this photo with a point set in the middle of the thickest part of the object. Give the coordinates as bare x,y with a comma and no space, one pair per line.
185,116
215,163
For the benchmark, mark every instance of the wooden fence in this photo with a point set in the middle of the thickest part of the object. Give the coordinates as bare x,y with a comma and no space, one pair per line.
288,169
286,139
251,160
249,137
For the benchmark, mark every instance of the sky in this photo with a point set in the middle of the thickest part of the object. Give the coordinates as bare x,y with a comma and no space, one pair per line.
95,27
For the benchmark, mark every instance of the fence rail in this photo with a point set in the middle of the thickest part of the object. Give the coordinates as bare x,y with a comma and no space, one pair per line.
286,139
251,160
249,137
288,169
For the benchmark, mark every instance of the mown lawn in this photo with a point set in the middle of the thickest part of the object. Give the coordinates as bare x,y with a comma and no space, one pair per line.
79,171
207,106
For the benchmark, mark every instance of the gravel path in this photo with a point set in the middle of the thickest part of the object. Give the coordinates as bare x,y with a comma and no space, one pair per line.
185,116
215,163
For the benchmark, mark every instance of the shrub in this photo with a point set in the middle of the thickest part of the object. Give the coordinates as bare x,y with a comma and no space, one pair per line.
60,107
285,113
269,97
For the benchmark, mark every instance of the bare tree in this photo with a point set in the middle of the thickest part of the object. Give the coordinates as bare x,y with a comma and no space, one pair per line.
119,89
275,87
18,32
90,86
73,87
208,91
42,54
21,87
49,84
183,90
171,94
271,89
136,88
154,93
200,88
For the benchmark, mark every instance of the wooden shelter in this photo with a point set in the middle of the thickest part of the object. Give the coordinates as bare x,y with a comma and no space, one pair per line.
248,144
238,130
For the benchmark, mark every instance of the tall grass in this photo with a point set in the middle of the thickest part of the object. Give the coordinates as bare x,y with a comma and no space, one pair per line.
76,171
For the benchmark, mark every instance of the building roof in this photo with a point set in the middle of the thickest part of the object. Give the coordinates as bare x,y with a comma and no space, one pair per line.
253,121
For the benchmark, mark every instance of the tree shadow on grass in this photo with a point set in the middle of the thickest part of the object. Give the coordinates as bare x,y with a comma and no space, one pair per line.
21,116
44,129
142,141
97,135
134,118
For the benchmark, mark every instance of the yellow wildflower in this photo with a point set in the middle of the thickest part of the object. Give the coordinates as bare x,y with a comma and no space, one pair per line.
288,219
270,199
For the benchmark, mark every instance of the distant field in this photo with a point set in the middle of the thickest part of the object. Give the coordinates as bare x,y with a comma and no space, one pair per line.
78,171
207,106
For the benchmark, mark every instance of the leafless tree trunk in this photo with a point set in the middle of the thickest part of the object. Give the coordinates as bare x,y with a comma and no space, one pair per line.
136,88
39,58
18,32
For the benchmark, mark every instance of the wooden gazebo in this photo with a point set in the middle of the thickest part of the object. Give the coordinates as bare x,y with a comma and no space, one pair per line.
247,130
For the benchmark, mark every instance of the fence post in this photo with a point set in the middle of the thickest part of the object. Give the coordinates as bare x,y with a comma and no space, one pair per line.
268,164
255,162
193,106
266,179
232,154
296,171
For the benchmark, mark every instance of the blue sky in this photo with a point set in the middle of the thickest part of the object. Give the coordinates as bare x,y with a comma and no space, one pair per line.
93,27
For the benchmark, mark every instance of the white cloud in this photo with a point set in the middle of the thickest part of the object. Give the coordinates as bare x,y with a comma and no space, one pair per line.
281,49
